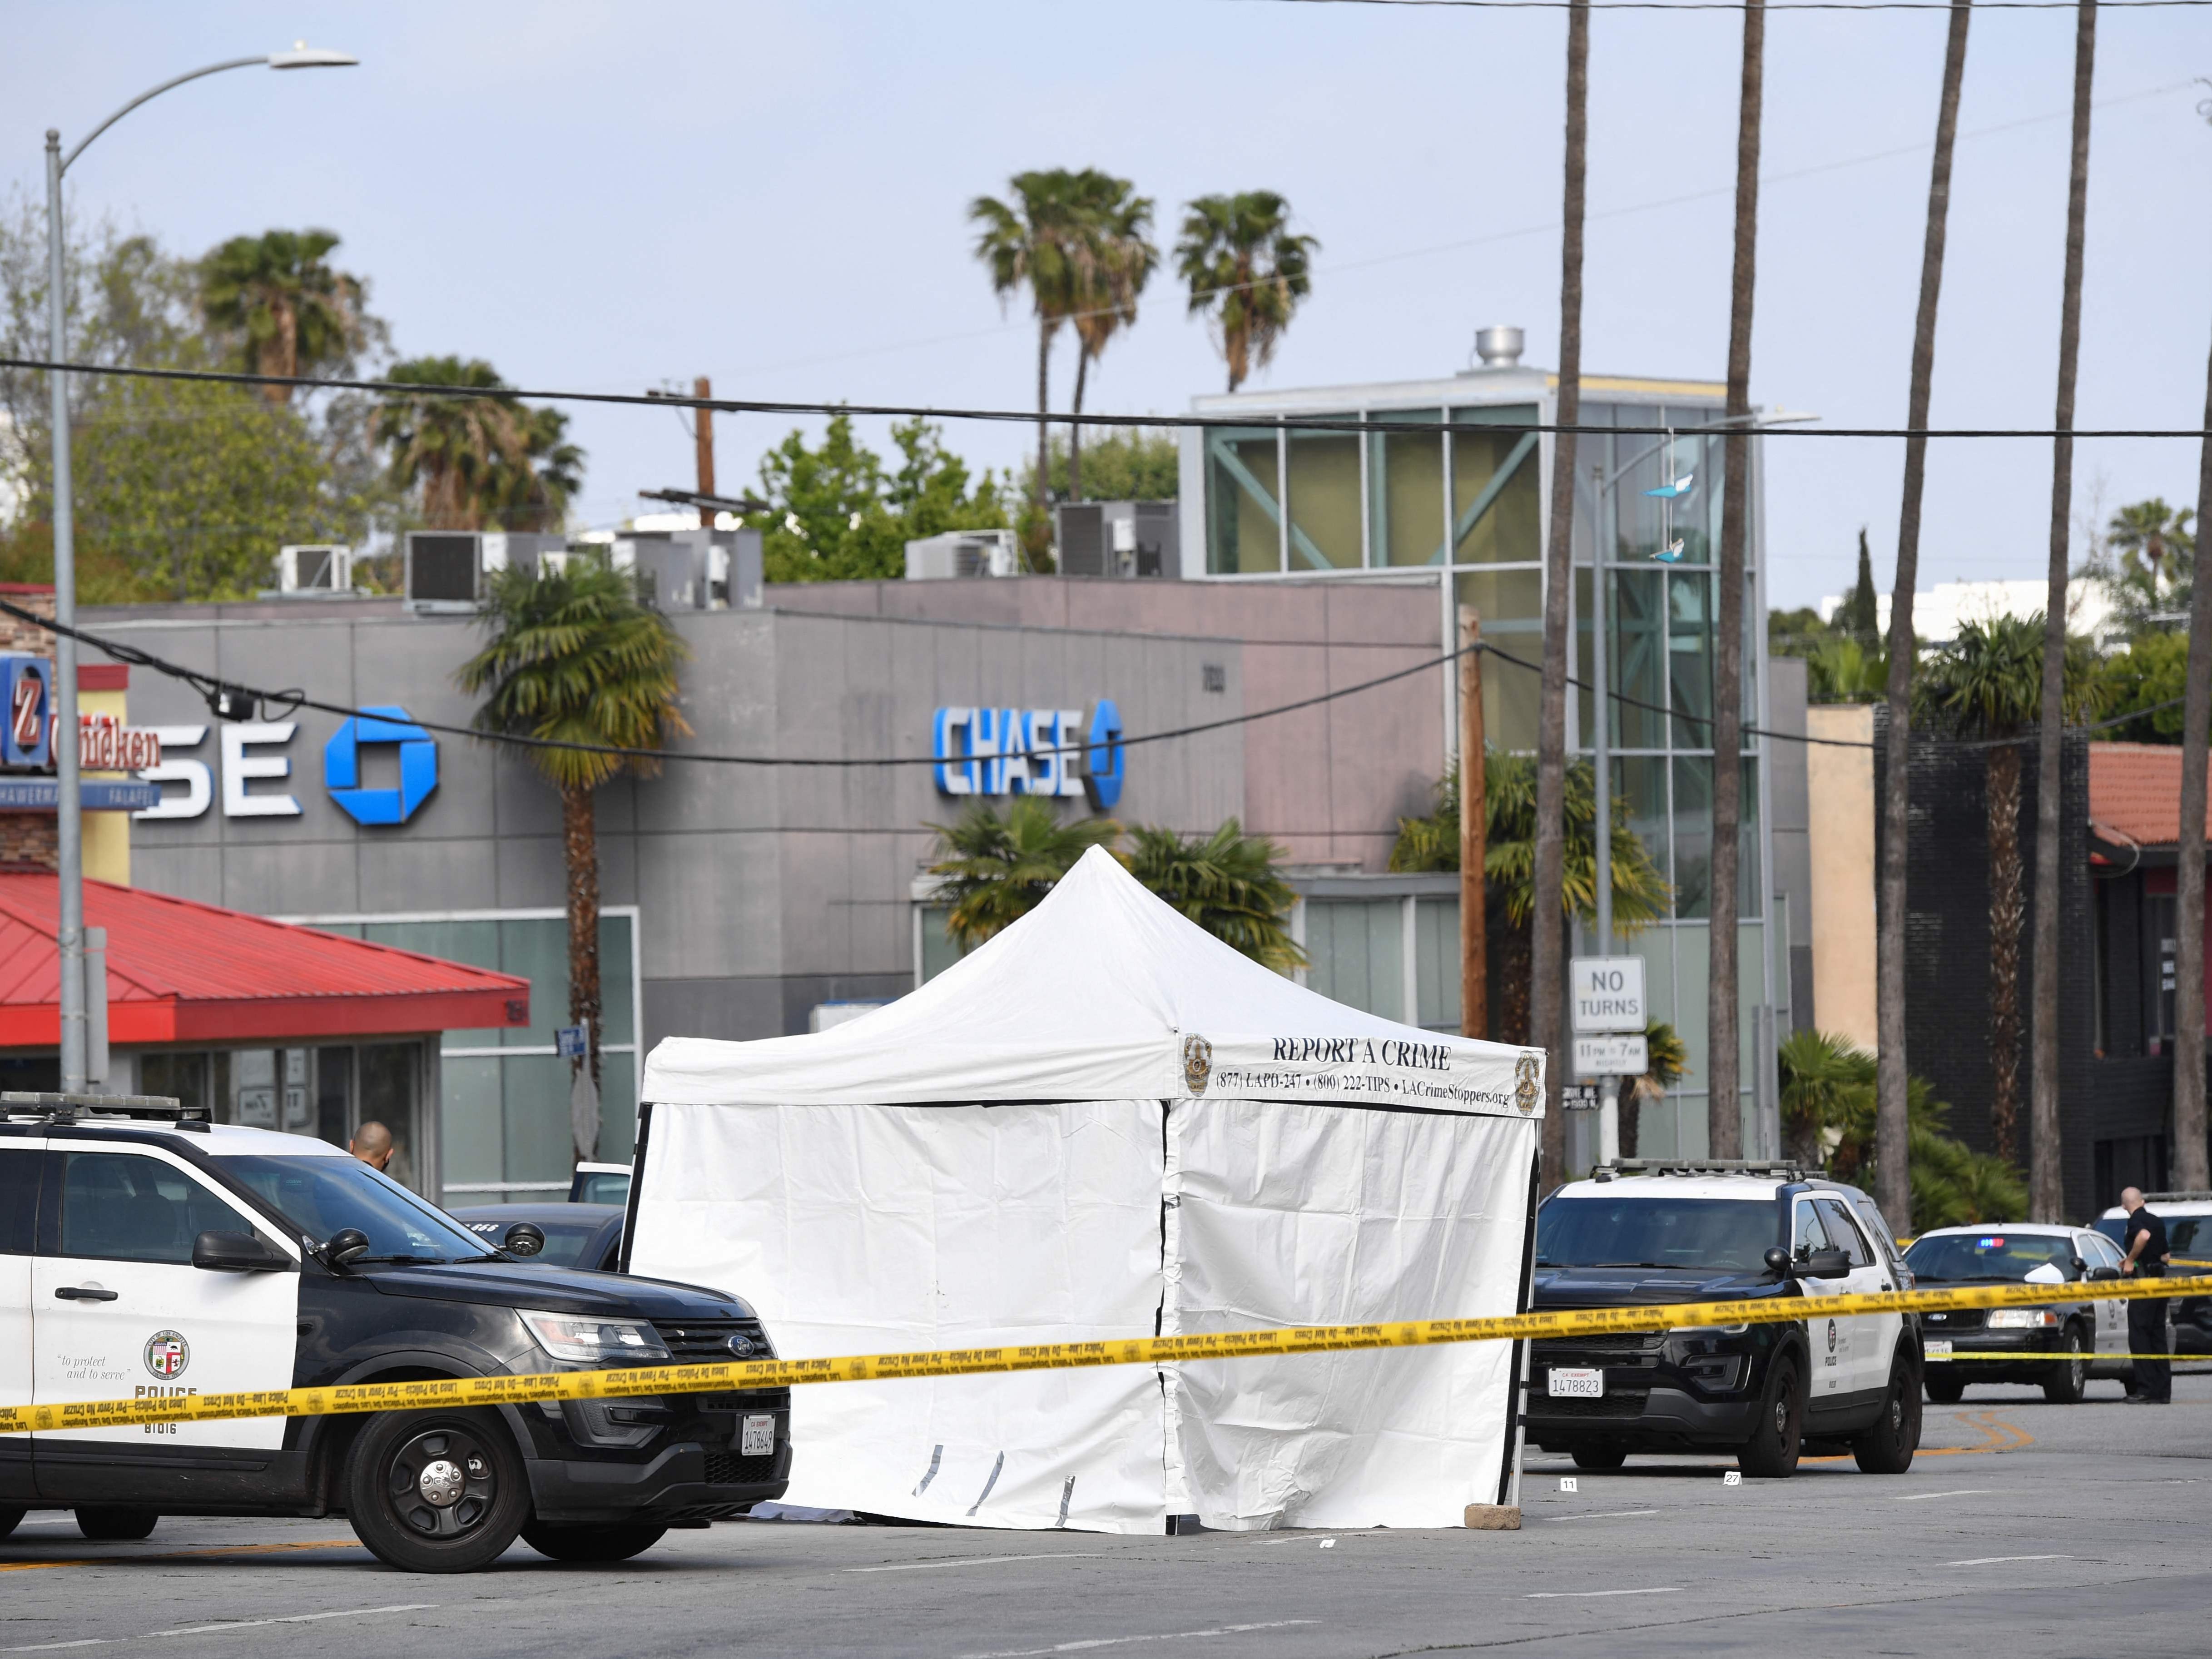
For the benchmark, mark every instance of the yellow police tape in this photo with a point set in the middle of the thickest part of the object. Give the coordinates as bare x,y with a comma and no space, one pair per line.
629,1381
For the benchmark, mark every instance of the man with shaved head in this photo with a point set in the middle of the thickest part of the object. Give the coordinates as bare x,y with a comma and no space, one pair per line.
2144,1235
371,1145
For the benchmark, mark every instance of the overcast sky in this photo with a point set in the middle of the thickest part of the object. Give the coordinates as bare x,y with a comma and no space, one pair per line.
613,196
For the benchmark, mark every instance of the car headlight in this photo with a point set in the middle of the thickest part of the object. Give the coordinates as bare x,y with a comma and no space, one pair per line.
2023,1319
588,1341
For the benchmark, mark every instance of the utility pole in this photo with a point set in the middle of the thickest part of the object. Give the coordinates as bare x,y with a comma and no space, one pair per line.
1473,834
702,433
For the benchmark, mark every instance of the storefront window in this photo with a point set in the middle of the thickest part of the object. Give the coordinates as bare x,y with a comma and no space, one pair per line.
1497,506
1405,490
1324,476
1243,509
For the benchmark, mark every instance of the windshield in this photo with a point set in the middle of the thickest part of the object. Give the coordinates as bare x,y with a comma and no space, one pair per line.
565,1241
1711,1234
1993,1255
322,1196
601,1186
2188,1234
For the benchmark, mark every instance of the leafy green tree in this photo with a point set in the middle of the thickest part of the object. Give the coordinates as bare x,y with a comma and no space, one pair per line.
286,311
1247,271
2139,681
995,870
1117,260
2150,583
1038,241
1796,633
1846,668
572,657
1226,883
477,463
1130,463
837,514
1859,616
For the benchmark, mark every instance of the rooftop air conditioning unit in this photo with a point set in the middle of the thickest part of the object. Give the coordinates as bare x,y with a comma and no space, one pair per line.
313,567
447,568
695,569
1119,538
958,553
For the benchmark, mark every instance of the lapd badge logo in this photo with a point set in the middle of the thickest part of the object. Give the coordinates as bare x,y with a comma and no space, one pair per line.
167,1353
1525,1090
1197,1063
1832,1337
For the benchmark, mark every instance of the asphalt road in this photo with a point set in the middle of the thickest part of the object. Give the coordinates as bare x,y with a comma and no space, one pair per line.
2023,1529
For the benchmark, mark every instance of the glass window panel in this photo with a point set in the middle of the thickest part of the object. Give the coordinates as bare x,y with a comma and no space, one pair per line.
1511,604
1406,491
1639,787
938,949
334,1095
1690,657
471,1149
1694,836
617,1017
1244,515
476,943
618,1109
1355,950
1635,630
537,949
1582,667
126,1206
1436,946
1697,514
1748,885
1495,521
1324,481
184,1077
388,1078
534,1113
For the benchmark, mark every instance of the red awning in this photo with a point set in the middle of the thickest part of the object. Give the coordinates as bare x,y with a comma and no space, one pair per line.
2135,793
181,972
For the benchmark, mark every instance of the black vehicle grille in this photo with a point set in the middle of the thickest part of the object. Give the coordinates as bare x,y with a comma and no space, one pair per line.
1638,1349
728,1469
707,1341
1953,1319
1628,1404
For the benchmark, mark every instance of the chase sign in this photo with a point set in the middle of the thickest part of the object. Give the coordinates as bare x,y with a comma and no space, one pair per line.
1031,751
418,766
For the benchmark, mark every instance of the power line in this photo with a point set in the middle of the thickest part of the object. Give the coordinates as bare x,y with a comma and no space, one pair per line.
1251,423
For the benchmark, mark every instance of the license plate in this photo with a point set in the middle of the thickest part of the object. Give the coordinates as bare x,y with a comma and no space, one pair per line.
1938,1350
1565,1383
757,1438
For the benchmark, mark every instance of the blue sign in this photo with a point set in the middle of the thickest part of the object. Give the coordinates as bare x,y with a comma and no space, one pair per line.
28,685
1030,751
44,795
418,766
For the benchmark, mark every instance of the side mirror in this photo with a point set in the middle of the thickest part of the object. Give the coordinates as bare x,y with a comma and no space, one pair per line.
1830,1263
524,1238
1777,1261
345,1247
237,1253
2103,1275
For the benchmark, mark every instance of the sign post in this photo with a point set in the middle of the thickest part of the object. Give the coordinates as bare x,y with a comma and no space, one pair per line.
1607,994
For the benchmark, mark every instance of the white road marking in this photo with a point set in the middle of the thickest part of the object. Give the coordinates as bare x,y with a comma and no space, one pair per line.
1554,1595
1601,1515
1920,1496
212,1630
986,1561
1117,1641
1992,1560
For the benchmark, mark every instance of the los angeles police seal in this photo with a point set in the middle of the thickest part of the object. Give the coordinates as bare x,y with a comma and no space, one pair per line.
1197,1063
1524,1081
167,1353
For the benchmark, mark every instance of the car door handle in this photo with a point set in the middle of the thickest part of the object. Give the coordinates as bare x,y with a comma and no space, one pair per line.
85,1293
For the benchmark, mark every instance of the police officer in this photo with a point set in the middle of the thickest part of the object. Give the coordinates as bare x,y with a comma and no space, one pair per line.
371,1145
2144,1234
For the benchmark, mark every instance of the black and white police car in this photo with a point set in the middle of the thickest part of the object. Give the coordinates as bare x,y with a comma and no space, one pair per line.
146,1252
2059,1346
1643,1232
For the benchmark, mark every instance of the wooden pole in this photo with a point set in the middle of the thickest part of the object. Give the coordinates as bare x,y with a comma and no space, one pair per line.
702,429
1473,835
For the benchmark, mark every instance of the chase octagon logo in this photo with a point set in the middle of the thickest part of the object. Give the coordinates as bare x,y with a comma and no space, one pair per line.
418,766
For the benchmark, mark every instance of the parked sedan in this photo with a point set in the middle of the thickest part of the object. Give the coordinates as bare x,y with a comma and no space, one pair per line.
588,1236
2058,1345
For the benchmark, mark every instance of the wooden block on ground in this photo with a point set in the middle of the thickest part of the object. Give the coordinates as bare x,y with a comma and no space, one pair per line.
1494,1517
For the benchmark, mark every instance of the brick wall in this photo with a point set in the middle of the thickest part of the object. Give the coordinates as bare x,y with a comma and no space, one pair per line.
18,636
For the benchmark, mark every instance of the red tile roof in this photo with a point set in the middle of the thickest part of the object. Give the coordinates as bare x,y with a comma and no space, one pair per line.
181,972
2134,789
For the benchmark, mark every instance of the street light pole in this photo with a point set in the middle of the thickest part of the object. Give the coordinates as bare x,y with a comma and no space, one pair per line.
68,805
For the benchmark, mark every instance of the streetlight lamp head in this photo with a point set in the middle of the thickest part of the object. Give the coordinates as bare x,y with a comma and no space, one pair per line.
303,56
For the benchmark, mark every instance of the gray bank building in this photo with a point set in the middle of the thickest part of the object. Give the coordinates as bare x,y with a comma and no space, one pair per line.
744,898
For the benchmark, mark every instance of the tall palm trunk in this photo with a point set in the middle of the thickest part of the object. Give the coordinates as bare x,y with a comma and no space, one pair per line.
1075,427
580,849
2046,1193
2190,1173
1547,967
1045,327
1894,1192
1724,1108
2002,790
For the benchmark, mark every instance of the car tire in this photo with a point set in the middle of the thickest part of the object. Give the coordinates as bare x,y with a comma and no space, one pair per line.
2064,1384
116,1523
1888,1446
1599,1456
11,1519
1944,1388
591,1543
1772,1452
436,1491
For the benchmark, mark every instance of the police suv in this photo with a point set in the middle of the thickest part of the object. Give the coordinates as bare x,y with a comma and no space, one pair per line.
1643,1232
146,1252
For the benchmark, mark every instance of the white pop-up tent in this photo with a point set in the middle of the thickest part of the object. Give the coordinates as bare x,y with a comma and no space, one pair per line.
1106,1123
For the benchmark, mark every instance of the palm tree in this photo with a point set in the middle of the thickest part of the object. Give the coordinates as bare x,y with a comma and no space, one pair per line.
573,658
1547,948
1037,241
2156,573
1118,260
1247,271
1988,685
2047,1190
1666,1062
2189,1159
994,870
479,460
1723,1109
1226,883
292,313
1893,1126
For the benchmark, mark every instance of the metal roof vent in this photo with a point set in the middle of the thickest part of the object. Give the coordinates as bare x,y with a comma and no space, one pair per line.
1499,347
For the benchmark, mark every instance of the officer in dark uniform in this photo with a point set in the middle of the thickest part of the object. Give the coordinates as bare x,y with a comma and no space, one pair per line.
2144,1235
